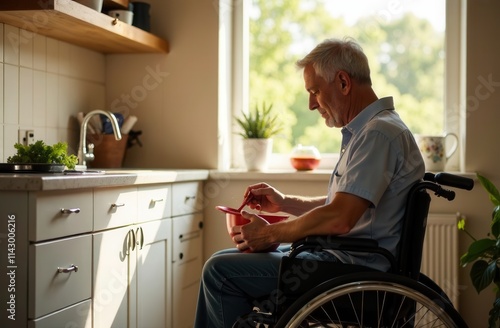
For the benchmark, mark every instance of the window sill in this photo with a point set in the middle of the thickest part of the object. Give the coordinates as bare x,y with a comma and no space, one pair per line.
287,175
314,175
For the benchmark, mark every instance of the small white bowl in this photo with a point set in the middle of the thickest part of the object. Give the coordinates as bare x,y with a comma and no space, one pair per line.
122,15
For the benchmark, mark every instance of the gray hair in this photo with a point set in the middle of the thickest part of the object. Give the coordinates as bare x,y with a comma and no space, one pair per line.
333,55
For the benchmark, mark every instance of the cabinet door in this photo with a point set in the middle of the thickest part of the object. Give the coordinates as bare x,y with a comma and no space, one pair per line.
112,272
153,274
187,266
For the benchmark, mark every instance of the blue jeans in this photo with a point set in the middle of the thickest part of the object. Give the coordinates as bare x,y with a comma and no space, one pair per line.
231,282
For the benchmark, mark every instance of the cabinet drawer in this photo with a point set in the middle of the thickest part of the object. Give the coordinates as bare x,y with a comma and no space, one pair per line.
77,316
49,288
154,203
55,214
186,198
114,207
187,237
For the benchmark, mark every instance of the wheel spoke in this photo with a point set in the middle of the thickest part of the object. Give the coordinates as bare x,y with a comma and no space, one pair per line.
374,304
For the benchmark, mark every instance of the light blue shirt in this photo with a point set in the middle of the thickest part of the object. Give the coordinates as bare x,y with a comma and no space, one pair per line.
379,161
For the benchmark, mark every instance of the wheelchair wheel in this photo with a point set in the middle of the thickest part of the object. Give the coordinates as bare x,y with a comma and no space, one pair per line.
371,300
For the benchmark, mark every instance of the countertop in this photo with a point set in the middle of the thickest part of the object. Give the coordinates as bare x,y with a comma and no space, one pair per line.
111,177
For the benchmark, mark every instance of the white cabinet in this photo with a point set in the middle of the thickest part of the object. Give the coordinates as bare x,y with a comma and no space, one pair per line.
132,276
153,274
48,260
127,256
77,315
187,251
132,263
111,265
188,263
61,273
114,207
187,197
154,202
59,213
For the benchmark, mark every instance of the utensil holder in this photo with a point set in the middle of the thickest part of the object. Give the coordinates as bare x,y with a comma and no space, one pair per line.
108,152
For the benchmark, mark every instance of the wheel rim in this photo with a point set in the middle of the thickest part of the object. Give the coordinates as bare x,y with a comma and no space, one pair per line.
429,310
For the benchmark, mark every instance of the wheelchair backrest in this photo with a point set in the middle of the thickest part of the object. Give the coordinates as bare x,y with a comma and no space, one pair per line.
411,243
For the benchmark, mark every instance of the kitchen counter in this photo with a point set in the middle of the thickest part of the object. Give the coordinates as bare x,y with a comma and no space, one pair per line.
111,177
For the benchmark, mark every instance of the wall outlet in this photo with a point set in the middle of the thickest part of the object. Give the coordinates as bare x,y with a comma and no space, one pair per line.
26,137
30,137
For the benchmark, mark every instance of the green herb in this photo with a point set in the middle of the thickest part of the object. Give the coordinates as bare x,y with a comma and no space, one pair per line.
41,153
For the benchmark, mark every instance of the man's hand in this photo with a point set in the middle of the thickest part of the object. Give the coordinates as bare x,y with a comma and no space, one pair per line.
265,198
253,236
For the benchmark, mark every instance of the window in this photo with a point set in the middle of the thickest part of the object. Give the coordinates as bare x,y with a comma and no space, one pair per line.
405,42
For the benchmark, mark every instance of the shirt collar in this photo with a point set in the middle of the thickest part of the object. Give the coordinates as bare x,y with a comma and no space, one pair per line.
386,103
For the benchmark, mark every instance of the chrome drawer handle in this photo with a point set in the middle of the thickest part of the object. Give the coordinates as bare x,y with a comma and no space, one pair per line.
117,205
69,269
188,198
157,200
70,210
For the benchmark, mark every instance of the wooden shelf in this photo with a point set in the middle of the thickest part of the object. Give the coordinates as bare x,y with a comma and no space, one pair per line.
77,24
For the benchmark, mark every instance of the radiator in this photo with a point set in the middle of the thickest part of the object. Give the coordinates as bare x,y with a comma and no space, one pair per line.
440,258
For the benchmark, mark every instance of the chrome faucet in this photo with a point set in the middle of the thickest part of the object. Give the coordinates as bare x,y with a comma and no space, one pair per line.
83,155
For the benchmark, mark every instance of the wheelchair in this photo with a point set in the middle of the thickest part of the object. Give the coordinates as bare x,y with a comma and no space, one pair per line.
328,294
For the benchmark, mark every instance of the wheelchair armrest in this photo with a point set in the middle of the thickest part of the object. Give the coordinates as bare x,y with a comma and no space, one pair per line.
335,242
320,242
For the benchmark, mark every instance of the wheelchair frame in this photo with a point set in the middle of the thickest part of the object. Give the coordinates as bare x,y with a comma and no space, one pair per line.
358,296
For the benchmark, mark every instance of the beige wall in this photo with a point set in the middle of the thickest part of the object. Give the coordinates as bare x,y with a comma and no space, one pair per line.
45,82
483,117
177,115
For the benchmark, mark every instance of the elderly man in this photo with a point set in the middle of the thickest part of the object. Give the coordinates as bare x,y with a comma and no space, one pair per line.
379,162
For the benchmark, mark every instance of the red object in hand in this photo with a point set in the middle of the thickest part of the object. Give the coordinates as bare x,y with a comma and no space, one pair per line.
234,218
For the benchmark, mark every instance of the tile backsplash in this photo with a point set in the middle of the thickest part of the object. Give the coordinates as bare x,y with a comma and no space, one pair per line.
44,83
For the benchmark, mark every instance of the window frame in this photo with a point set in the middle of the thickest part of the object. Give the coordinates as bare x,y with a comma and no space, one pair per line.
234,65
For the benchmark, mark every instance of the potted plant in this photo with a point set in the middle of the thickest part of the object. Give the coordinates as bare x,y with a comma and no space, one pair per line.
257,129
484,254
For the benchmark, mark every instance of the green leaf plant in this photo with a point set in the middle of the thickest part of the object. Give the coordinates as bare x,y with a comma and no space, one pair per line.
41,153
259,123
484,254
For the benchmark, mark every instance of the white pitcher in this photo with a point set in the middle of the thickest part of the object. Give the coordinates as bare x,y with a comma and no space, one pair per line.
433,149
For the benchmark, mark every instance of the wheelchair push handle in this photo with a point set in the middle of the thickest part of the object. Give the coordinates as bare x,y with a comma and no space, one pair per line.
445,193
451,180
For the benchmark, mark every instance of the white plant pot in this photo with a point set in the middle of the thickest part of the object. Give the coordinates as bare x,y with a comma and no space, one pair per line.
257,153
